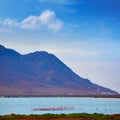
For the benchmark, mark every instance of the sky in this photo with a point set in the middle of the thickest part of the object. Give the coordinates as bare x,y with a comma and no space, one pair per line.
84,34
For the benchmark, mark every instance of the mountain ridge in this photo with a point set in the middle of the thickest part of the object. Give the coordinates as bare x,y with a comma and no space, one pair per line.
41,73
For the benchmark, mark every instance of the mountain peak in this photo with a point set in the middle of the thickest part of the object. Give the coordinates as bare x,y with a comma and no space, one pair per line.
42,52
7,51
1,47
38,53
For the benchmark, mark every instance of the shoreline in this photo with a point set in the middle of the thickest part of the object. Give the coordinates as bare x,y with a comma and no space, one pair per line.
85,96
74,116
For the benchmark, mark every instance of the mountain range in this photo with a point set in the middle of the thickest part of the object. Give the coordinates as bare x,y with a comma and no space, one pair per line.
42,73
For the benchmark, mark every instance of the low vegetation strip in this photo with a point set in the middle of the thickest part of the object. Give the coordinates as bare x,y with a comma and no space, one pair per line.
76,116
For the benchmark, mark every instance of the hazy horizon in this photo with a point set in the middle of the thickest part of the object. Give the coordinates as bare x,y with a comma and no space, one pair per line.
84,34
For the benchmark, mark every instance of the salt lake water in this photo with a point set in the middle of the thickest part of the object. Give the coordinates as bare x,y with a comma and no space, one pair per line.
78,105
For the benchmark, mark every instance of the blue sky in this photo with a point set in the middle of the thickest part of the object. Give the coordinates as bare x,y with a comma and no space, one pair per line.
84,34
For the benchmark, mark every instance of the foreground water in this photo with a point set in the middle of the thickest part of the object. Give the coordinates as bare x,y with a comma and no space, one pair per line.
71,105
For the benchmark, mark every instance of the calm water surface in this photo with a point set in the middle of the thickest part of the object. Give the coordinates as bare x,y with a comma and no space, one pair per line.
79,105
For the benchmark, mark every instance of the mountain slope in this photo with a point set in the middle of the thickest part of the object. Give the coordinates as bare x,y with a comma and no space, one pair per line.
41,73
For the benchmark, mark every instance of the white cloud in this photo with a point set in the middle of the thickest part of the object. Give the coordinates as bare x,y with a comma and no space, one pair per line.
47,19
30,22
10,22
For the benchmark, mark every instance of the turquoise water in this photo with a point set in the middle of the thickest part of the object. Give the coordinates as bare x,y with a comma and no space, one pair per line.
78,105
